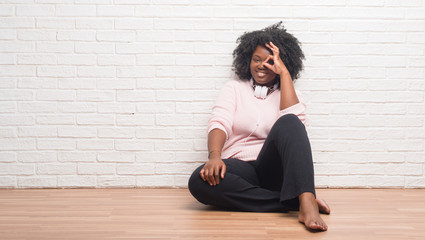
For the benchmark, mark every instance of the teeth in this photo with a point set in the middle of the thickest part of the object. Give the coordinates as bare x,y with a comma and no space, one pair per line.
260,74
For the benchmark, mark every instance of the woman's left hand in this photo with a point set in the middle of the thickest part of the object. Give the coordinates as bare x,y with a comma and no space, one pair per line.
278,66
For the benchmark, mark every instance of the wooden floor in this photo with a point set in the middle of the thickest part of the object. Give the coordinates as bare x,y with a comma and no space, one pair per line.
174,214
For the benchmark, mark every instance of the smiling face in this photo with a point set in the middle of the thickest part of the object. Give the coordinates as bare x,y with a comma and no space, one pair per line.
261,74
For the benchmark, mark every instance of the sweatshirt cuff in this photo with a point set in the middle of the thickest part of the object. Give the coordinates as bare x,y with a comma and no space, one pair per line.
219,126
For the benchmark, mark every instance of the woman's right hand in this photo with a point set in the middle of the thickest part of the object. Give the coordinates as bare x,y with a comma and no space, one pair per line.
211,171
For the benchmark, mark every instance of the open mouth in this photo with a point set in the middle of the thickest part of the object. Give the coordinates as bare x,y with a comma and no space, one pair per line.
261,74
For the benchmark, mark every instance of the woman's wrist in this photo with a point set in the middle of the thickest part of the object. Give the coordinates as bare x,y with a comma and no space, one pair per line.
214,154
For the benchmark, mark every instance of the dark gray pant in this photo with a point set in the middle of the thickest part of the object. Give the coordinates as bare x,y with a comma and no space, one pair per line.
272,183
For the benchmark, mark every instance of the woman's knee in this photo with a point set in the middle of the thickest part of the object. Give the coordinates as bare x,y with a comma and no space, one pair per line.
289,120
196,184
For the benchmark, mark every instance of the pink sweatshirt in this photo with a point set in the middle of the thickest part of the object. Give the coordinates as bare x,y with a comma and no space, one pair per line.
238,112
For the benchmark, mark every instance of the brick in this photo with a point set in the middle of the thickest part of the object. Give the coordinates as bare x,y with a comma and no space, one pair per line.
117,108
126,182
7,82
8,182
55,71
134,145
135,169
17,22
159,83
77,83
80,156
162,107
16,47
155,181
116,60
154,36
135,72
156,59
115,132
135,96
8,157
117,157
35,10
95,144
73,107
8,133
31,83
96,72
172,145
17,71
7,59
134,48
150,157
56,95
175,168
55,47
175,11
75,10
91,23
347,181
55,23
37,59
37,157
174,119
7,10
113,84
37,182
55,144
76,181
95,119
155,133
16,95
77,132
37,131
16,120
115,11
194,107
189,36
56,169
194,60
134,23
16,169
115,36
385,181
37,107
95,96
7,107
80,59
135,120
96,168
88,47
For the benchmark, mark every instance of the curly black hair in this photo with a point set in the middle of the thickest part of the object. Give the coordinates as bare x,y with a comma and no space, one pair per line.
289,50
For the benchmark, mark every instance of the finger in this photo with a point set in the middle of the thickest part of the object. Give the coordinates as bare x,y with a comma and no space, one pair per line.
206,176
211,179
202,174
223,171
274,46
216,174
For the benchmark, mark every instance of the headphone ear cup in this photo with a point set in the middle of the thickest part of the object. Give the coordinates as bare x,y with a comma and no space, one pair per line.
257,91
264,92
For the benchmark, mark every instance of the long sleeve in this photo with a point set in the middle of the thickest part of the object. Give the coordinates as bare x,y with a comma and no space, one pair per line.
224,109
296,109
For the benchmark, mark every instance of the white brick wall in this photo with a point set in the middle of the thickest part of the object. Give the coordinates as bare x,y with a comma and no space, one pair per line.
116,93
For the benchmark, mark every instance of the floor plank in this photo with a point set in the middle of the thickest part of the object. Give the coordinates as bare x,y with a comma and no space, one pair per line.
174,214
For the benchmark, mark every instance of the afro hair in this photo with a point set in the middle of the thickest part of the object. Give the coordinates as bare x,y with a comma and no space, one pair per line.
289,50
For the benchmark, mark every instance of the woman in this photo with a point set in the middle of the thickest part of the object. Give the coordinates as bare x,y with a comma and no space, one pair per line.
259,152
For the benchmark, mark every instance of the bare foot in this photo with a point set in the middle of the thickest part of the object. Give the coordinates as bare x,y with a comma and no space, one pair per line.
323,206
309,213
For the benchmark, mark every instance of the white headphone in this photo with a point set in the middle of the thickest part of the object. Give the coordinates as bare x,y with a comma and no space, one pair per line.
261,91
